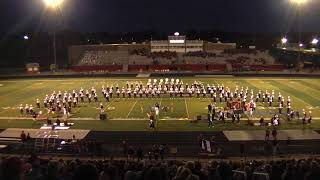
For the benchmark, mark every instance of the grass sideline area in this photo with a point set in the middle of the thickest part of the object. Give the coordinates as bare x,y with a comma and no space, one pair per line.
131,114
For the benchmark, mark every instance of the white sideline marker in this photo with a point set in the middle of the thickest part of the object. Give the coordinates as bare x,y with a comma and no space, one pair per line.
185,102
132,108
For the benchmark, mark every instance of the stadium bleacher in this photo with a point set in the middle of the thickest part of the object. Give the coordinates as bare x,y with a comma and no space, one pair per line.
36,168
142,60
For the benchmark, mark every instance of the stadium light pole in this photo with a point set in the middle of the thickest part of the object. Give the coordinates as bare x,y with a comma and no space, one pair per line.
54,5
314,44
314,41
299,4
284,41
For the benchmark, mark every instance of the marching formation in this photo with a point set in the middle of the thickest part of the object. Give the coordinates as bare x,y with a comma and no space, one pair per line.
241,99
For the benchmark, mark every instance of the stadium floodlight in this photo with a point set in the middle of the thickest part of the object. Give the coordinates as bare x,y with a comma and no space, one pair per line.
54,4
298,2
299,5
284,40
314,41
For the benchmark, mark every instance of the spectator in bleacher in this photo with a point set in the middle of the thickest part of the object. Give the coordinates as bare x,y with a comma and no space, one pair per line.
140,154
86,172
58,122
28,137
52,171
12,169
23,137
37,169
182,173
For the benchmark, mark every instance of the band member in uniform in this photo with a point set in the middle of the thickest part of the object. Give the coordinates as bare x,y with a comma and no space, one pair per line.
304,117
118,93
38,103
238,118
26,108
74,102
123,91
279,97
82,97
21,109
310,118
101,108
87,93
288,108
45,103
152,121
129,92
135,93
270,102
280,108
95,97
204,93
267,134
158,93
171,92
151,124
111,92
89,98
210,120
107,97
153,93
210,108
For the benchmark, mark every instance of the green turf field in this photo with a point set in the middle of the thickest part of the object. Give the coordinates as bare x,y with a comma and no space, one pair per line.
131,114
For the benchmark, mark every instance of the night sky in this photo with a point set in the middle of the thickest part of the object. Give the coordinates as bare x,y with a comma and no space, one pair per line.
162,15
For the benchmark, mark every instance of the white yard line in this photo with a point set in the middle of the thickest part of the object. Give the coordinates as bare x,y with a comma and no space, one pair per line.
132,108
185,102
134,79
117,119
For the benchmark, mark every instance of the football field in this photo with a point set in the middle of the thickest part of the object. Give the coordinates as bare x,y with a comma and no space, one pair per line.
131,113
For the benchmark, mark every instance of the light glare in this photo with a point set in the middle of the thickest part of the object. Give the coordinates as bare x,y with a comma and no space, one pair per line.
53,3
176,41
314,41
284,40
298,1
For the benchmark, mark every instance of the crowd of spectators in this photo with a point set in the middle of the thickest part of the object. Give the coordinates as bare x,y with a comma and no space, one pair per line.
154,55
240,51
92,58
202,54
139,52
243,60
260,61
163,54
33,168
96,58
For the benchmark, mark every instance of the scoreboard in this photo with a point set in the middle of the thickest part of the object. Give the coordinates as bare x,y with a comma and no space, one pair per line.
176,43
177,39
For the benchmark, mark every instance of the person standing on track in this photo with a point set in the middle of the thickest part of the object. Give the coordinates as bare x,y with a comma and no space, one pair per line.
266,138
274,133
